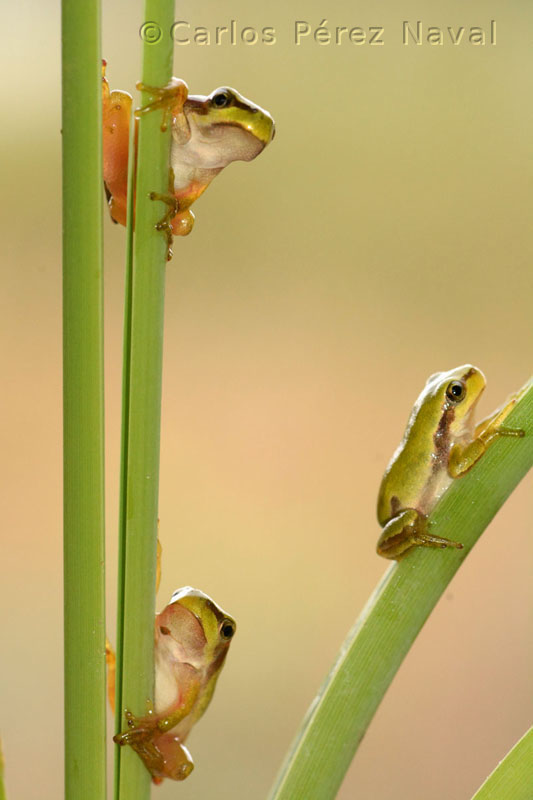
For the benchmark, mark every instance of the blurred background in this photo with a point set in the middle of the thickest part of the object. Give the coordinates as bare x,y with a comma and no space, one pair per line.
384,235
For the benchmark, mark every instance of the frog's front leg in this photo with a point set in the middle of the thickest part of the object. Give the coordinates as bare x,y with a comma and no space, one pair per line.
409,529
151,736
169,99
163,755
142,731
463,457
142,737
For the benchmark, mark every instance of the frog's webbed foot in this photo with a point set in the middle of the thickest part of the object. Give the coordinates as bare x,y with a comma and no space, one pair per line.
139,728
409,529
175,222
163,755
491,427
170,99
141,735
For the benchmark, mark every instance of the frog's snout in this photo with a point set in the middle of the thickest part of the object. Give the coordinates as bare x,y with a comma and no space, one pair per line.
272,126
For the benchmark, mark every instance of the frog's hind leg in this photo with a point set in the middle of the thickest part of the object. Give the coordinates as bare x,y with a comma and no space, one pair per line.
175,222
407,530
116,114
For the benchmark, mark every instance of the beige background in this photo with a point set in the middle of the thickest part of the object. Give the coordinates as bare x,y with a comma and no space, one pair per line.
383,236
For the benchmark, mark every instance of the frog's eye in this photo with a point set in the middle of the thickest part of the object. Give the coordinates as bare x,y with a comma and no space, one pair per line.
456,391
227,629
221,99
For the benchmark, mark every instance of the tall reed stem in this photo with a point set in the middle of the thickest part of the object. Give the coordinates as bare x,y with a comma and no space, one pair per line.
84,602
145,288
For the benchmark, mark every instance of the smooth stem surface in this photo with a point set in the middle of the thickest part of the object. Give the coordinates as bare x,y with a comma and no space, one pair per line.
83,426
142,415
374,649
124,450
513,777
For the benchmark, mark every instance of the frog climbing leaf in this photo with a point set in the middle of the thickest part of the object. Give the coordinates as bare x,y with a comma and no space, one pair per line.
441,443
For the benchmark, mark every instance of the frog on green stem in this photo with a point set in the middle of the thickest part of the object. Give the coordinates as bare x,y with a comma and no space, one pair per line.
441,442
208,133
192,637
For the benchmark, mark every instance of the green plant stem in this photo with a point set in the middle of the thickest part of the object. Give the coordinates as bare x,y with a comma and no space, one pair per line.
124,449
513,777
374,649
145,287
2,787
83,446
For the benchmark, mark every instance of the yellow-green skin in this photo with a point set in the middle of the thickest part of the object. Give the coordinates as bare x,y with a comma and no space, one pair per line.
192,637
440,443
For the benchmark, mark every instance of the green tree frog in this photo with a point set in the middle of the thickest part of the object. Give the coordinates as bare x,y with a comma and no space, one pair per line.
208,133
441,442
192,637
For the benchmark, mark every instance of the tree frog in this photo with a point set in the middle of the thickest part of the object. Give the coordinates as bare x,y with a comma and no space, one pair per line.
192,637
440,443
208,133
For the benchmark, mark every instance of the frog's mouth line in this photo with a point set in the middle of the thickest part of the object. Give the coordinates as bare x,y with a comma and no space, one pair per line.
201,105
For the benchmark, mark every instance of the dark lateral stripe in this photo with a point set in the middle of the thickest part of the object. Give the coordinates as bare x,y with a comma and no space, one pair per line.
215,665
441,437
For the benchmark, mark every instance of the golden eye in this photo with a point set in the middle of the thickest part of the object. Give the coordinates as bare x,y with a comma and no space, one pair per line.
221,99
456,391
227,629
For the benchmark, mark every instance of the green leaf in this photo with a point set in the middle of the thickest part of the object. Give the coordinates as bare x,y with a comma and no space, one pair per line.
513,777
376,646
